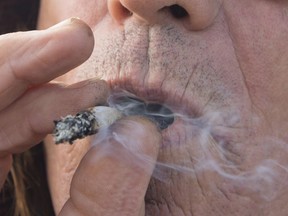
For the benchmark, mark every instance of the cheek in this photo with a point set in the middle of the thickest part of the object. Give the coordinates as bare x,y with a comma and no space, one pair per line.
62,161
53,11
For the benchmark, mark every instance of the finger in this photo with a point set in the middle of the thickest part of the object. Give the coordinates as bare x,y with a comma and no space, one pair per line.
27,121
113,177
32,58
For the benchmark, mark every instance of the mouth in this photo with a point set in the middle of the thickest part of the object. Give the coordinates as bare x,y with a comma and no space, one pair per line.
175,116
160,114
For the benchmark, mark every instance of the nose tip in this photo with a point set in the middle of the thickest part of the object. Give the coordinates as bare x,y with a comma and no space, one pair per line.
193,14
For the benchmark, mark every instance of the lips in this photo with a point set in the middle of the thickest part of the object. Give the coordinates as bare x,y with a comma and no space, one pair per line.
171,96
177,120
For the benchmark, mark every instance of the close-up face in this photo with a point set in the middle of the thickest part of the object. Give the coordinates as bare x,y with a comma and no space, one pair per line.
221,67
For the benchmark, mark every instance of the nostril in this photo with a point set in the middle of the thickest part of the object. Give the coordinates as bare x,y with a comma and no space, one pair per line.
177,11
126,11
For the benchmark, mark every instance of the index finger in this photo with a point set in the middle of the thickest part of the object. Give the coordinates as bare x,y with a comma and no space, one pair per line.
36,57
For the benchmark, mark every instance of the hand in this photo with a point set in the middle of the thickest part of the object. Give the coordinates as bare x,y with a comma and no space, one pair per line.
113,177
28,103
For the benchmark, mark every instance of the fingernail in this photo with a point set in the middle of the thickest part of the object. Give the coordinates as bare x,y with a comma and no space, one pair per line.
65,22
75,22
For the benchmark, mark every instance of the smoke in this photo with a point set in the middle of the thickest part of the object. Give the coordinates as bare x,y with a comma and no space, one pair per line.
251,166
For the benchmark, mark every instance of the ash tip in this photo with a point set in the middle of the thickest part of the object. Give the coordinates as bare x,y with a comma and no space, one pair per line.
83,124
70,128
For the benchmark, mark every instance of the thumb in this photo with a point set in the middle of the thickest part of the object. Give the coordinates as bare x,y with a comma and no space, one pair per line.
113,177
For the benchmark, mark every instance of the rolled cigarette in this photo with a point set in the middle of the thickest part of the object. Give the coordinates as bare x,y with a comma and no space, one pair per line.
89,122
84,123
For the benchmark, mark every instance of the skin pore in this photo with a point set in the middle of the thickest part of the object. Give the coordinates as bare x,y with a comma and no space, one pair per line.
222,68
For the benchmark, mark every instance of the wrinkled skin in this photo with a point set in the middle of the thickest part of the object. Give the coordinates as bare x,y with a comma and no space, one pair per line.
224,69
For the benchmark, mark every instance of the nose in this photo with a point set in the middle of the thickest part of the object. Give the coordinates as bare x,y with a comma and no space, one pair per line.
193,14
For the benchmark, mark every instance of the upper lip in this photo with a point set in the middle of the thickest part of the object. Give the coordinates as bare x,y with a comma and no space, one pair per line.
136,56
